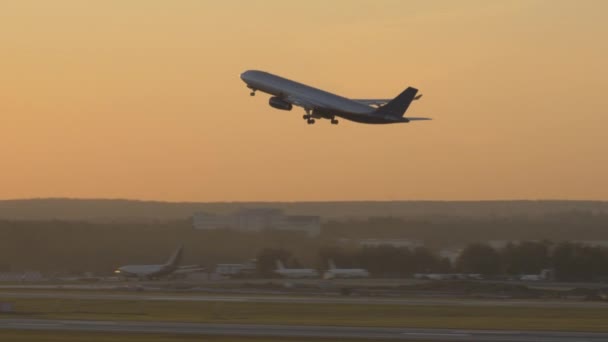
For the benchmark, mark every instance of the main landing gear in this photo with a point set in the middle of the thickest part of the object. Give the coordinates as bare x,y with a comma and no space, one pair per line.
252,92
310,120
308,117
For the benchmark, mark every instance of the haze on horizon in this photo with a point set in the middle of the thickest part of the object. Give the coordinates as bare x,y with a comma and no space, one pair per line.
142,99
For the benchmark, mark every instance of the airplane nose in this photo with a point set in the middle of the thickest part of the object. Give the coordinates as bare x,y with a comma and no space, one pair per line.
244,76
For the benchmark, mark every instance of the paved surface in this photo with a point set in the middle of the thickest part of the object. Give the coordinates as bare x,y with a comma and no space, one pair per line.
109,295
404,334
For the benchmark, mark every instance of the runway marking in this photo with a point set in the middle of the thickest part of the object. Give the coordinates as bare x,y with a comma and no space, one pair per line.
34,324
369,333
90,322
438,334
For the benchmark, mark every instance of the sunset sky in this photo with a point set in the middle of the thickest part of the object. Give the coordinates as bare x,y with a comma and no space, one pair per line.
142,100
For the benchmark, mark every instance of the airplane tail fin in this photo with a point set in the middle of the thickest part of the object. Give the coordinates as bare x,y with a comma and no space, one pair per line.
280,265
399,105
332,264
176,257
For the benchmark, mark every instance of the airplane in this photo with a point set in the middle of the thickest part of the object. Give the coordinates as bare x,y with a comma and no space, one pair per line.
156,271
183,271
295,272
544,274
334,272
319,104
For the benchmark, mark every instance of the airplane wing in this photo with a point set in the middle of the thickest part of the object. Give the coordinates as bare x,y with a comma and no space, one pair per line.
303,102
379,102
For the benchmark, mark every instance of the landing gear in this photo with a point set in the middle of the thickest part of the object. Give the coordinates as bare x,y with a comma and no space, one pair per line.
308,117
252,92
334,121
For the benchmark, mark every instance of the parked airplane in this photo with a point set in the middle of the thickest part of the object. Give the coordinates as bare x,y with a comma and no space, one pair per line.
334,272
295,272
545,274
171,267
183,271
320,104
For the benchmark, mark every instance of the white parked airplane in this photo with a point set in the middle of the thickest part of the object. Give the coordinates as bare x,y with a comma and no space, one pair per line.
334,272
544,274
295,272
171,267
320,104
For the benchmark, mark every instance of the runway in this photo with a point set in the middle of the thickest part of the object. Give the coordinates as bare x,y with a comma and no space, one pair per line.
404,334
291,299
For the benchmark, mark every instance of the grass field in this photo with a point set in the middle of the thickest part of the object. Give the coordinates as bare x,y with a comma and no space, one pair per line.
26,336
465,317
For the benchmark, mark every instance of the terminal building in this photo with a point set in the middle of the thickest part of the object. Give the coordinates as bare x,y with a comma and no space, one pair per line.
258,219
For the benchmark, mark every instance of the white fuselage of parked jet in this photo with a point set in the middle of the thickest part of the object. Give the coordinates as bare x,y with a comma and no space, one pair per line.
298,273
151,271
346,273
295,272
142,271
335,272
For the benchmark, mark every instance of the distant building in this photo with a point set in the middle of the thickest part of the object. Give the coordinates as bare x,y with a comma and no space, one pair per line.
411,244
500,244
21,276
245,269
451,254
593,243
256,220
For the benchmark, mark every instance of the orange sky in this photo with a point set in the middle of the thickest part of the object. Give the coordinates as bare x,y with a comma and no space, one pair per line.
142,99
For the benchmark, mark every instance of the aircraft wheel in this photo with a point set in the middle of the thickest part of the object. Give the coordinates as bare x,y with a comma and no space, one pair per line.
334,122
252,93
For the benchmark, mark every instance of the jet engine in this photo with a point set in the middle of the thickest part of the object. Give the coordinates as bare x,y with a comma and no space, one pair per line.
279,103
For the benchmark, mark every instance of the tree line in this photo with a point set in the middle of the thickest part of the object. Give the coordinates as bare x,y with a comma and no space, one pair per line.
72,247
568,261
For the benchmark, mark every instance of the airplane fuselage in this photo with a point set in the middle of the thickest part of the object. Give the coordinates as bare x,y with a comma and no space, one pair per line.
297,273
151,271
144,271
347,273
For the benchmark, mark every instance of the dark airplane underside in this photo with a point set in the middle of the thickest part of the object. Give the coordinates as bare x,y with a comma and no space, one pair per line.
370,119
361,118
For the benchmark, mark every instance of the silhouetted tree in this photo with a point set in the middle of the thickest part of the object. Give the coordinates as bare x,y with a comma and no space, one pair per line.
576,262
267,260
386,261
479,258
340,256
527,257
425,261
